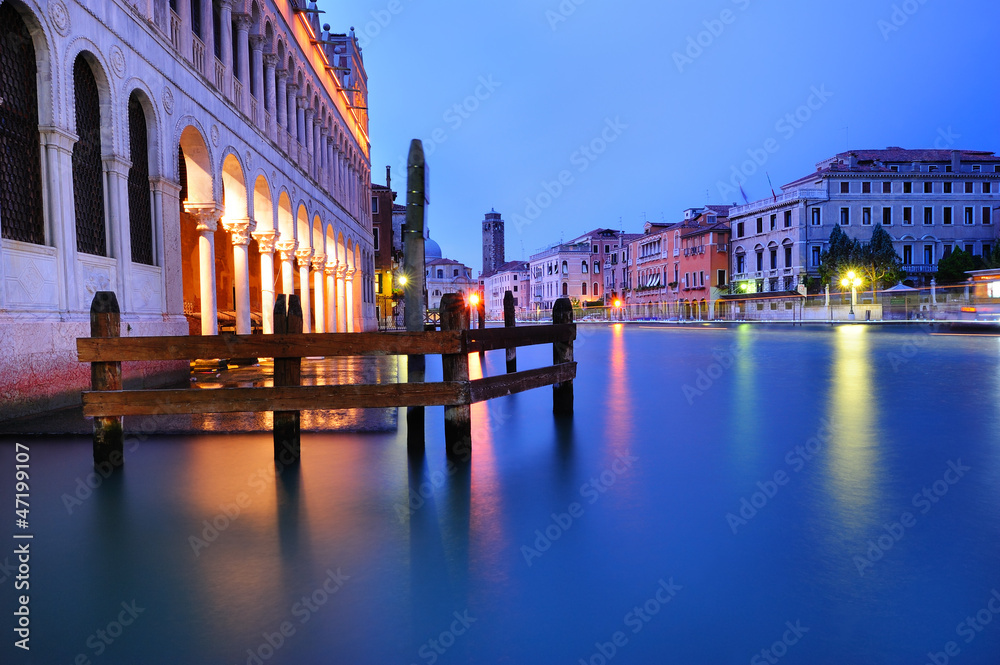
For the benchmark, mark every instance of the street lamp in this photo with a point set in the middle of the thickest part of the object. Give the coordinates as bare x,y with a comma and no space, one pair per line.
401,279
853,281
618,305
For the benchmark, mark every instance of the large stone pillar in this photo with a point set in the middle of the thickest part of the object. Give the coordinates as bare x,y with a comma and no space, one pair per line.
291,89
256,84
239,232
265,243
349,299
286,252
300,119
335,171
330,270
120,232
323,171
281,107
242,64
341,298
318,261
270,60
184,14
317,150
60,227
208,38
226,44
207,218
307,121
303,256
166,211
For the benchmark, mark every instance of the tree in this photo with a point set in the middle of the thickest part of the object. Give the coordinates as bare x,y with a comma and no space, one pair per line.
878,261
843,253
952,268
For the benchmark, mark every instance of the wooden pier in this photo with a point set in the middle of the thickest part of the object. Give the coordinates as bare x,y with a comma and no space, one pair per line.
107,402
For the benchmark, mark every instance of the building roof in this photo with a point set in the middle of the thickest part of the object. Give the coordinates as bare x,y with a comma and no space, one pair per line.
897,154
509,266
443,262
398,207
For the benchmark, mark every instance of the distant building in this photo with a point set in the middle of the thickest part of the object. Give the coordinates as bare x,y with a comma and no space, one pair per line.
513,276
929,201
493,242
446,276
562,270
388,243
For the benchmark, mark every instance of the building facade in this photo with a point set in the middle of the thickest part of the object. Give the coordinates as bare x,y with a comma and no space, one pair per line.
562,271
447,276
929,201
493,242
193,162
387,249
513,276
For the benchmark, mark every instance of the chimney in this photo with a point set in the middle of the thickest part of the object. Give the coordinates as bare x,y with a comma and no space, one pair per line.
388,177
956,161
852,160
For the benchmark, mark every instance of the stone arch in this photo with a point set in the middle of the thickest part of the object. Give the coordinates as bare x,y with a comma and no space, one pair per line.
138,87
237,278
91,121
286,222
197,164
234,187
318,237
302,228
45,86
263,206
84,48
142,153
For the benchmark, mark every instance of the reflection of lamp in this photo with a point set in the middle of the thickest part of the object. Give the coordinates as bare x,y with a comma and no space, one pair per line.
853,281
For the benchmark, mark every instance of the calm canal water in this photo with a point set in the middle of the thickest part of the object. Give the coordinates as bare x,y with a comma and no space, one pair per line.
828,495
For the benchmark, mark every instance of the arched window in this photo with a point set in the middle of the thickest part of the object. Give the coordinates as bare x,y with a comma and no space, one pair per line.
584,285
565,289
139,204
565,268
88,175
583,267
597,290
20,159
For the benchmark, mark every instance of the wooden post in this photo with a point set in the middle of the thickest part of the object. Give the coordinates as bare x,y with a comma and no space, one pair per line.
457,419
481,313
105,321
508,322
562,352
287,372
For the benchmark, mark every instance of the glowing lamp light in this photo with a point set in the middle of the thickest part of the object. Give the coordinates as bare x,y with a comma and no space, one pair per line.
618,303
401,279
473,299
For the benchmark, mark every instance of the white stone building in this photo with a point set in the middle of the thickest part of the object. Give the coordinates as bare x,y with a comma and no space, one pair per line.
193,175
562,270
513,276
446,276
929,201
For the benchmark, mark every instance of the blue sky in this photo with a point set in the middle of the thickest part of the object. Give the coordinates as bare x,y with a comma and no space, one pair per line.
565,116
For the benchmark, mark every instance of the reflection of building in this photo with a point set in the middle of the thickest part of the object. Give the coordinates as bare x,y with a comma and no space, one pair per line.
445,276
192,164
929,201
513,276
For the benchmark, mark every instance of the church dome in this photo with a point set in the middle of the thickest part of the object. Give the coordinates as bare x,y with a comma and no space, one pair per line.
431,250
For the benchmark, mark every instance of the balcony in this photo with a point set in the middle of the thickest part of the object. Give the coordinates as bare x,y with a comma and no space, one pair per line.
220,74
238,93
175,30
920,269
197,53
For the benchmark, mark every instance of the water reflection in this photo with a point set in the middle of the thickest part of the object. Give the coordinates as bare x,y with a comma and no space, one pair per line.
853,413
618,424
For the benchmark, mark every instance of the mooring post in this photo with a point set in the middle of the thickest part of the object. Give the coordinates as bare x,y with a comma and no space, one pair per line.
287,372
415,288
457,419
508,322
562,352
481,314
106,321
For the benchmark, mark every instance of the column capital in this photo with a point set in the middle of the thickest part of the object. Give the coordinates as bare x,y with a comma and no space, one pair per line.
239,229
302,101
303,256
310,111
324,132
270,59
330,268
318,261
265,240
291,87
58,137
206,215
286,248
116,164
242,20
165,185
341,269
226,4
349,274
281,72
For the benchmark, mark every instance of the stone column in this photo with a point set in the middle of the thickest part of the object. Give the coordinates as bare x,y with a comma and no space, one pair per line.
290,96
286,251
256,83
341,298
242,71
349,299
318,261
335,171
322,173
265,243
208,38
268,96
303,256
318,148
207,218
239,231
166,211
307,121
300,119
60,227
119,232
184,14
225,45
281,107
330,270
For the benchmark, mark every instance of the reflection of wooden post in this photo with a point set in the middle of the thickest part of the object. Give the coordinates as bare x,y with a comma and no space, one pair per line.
457,419
508,322
562,352
105,321
287,372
